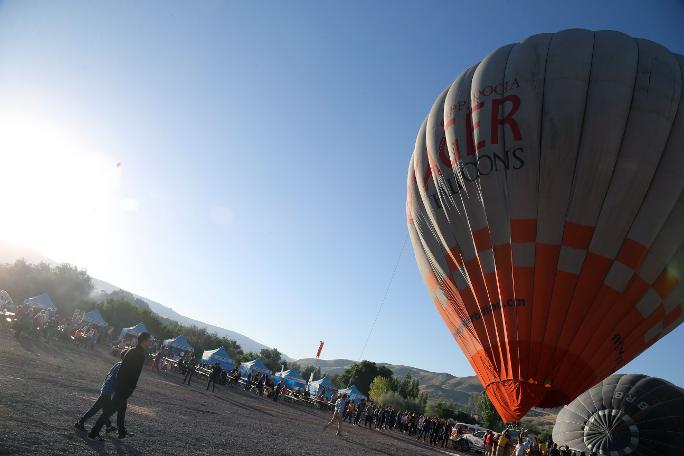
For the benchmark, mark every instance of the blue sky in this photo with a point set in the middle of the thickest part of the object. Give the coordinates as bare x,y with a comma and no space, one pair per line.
252,155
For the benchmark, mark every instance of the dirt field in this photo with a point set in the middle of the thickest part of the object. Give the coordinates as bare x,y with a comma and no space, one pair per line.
45,388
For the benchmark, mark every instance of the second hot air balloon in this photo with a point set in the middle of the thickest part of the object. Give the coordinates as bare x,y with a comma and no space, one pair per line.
545,206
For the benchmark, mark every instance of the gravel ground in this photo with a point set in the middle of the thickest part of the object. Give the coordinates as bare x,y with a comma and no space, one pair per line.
44,388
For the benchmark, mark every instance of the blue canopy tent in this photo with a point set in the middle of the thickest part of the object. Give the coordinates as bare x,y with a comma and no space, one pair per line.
291,379
252,367
323,385
43,301
178,344
354,394
218,356
94,317
133,330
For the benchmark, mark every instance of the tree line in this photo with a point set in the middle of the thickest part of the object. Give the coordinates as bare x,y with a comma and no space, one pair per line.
71,289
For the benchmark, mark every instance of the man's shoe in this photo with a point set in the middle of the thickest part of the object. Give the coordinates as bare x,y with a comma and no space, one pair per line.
79,425
126,435
95,437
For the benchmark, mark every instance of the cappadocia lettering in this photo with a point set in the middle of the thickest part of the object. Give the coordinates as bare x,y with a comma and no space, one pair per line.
472,160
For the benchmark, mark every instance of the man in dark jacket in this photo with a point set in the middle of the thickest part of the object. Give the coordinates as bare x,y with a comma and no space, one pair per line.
126,381
213,377
106,392
190,367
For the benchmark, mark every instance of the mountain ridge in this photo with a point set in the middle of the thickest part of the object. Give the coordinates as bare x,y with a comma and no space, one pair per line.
438,385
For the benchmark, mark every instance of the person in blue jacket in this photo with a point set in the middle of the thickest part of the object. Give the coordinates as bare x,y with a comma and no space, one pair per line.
126,381
105,398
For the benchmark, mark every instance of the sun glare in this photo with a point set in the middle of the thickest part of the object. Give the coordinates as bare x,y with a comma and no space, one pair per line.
57,189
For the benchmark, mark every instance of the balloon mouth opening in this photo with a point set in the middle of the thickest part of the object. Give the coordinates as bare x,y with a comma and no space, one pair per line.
611,431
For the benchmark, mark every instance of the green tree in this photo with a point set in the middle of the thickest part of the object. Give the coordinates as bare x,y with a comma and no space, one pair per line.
544,435
71,288
394,400
232,347
488,414
307,370
462,416
68,287
271,357
246,357
440,409
380,386
408,387
336,379
362,374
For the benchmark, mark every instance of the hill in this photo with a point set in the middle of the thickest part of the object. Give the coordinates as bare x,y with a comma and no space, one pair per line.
247,344
9,253
440,386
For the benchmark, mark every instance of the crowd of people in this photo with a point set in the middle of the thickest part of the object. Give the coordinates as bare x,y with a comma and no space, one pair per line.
505,444
435,431
46,324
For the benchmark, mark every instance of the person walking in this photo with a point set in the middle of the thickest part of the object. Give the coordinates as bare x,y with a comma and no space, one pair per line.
126,381
106,391
350,413
338,413
189,370
277,390
213,377
359,411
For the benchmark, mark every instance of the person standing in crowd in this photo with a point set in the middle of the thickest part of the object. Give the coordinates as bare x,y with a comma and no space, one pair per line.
213,377
350,412
489,436
260,385
501,448
157,359
553,450
523,445
277,390
126,381
370,410
447,434
359,411
543,447
105,398
338,413
189,370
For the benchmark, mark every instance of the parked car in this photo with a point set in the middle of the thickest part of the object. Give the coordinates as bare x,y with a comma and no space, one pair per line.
471,442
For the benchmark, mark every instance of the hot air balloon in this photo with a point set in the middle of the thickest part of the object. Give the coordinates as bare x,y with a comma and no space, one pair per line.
545,207
625,415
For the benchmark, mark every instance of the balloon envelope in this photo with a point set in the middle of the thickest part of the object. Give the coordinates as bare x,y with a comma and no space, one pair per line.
625,414
546,211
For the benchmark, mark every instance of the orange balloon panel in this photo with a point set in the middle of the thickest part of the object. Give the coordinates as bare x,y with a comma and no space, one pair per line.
545,207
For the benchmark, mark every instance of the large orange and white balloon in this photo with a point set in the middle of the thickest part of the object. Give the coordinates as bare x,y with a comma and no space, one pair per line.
546,210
